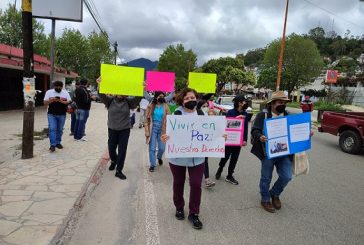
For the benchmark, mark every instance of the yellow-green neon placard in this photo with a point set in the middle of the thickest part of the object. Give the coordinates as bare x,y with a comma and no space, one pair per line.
202,82
121,80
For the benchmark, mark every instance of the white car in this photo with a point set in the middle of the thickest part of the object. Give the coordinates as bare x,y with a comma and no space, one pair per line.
223,104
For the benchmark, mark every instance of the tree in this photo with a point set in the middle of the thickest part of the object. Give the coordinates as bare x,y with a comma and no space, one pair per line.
254,57
11,29
72,51
100,52
178,60
83,55
228,70
267,78
301,62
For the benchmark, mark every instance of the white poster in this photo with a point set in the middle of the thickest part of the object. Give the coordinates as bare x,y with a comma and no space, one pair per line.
299,132
276,128
195,136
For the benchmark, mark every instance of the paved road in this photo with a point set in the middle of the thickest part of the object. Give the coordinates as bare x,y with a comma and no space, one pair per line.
324,207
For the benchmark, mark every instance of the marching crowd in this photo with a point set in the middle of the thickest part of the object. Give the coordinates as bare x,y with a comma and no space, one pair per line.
153,112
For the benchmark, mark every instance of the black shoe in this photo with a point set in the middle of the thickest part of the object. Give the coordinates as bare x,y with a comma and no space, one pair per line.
180,214
196,223
71,134
151,169
231,180
59,146
218,173
52,148
112,166
120,175
160,161
140,126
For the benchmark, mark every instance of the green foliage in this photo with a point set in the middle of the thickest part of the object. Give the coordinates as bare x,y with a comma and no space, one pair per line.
323,105
267,78
334,46
254,57
179,61
81,54
347,65
301,61
316,93
11,31
229,69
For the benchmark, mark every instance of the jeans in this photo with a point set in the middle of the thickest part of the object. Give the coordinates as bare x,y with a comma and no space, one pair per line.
155,139
73,122
284,170
81,119
118,139
55,128
233,152
179,177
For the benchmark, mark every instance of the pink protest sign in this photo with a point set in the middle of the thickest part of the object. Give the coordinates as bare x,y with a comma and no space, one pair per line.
235,131
160,81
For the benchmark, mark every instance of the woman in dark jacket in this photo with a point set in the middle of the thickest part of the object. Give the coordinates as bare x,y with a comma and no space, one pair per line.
232,152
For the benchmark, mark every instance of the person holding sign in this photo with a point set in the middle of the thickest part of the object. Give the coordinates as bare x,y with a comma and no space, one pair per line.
187,100
156,115
233,152
118,123
283,164
204,106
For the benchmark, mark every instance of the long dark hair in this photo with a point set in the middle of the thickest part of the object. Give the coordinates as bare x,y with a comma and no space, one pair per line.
200,103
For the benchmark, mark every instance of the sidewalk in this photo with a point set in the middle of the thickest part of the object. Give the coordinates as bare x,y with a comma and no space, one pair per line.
38,194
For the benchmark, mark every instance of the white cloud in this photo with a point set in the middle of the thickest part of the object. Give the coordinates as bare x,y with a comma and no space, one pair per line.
210,28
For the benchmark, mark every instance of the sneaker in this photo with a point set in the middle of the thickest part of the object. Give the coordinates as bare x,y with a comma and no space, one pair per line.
196,223
180,214
151,169
160,161
83,139
59,146
209,183
231,180
140,126
120,175
52,149
218,173
112,166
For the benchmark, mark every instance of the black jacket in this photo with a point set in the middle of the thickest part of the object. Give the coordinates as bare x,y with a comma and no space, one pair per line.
258,148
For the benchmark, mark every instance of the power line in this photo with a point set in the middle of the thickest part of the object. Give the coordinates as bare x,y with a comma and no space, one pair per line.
332,13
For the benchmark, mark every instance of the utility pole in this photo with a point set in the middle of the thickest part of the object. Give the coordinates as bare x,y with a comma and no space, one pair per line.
282,49
53,41
28,81
115,45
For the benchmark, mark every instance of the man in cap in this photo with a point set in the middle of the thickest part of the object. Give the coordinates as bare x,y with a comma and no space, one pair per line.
283,164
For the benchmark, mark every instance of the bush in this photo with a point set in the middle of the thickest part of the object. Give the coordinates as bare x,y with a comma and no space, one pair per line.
327,106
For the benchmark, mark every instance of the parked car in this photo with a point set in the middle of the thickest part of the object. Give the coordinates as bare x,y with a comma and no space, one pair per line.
223,104
348,125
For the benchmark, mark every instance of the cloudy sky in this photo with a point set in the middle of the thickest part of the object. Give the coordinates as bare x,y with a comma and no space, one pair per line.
211,28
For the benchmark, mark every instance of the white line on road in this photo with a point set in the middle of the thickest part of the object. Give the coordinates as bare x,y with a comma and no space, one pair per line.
151,220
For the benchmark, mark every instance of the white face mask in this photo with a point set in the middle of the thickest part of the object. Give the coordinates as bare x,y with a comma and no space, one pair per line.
205,109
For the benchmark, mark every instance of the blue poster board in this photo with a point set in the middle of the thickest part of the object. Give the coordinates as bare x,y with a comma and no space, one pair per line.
287,135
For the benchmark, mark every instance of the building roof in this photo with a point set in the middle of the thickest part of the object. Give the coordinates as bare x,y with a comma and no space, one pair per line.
12,58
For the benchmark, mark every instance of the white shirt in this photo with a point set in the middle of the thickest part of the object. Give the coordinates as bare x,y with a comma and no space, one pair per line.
144,104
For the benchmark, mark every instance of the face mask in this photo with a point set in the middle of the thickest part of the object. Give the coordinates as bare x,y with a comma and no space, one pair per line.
191,104
245,106
58,90
281,108
161,100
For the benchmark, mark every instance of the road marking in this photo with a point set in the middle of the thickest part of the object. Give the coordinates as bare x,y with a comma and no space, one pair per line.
151,220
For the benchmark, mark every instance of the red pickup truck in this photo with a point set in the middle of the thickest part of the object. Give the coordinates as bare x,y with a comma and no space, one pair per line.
348,125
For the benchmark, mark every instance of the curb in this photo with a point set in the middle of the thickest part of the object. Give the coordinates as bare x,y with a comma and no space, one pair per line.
65,231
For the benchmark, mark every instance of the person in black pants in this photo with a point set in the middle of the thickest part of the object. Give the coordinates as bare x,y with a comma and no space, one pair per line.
118,124
232,152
